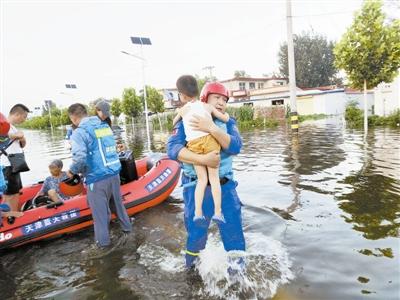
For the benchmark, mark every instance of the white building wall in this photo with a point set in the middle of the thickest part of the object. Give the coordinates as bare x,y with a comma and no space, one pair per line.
335,103
387,97
319,104
359,99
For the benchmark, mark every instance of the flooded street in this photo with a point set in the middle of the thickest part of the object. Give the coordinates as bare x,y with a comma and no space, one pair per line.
321,218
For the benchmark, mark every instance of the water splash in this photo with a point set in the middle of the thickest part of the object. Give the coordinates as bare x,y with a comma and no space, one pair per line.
267,268
156,257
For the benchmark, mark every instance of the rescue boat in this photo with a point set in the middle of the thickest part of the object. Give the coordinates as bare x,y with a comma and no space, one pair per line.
151,184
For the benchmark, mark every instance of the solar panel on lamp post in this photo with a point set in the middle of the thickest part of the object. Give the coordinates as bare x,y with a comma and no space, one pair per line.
70,86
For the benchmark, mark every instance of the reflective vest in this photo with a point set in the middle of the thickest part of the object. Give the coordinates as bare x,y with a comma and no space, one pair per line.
102,159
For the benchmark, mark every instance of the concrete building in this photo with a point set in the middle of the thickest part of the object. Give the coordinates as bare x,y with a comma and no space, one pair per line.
328,100
387,97
241,87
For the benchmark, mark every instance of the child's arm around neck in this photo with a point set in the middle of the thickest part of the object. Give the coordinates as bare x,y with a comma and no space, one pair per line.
224,117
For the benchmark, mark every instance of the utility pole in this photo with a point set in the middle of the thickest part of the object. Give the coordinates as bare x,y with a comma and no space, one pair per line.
209,68
292,74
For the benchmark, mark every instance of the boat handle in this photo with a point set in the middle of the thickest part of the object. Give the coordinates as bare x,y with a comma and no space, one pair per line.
55,204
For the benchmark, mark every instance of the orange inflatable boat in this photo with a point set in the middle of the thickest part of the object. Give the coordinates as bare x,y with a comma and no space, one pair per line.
154,180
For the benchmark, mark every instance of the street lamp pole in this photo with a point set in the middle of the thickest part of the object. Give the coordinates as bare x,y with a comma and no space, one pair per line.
142,41
145,102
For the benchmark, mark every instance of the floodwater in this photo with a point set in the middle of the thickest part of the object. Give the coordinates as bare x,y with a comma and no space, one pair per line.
321,219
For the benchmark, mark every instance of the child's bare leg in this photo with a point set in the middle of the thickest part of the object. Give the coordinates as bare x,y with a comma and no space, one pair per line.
213,177
202,178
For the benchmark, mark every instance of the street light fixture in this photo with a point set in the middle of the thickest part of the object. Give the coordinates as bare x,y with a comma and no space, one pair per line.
142,41
72,87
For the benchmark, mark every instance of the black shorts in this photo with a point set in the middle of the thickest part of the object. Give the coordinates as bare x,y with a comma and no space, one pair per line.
14,183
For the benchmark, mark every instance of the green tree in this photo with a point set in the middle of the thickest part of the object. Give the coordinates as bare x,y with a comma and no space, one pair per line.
116,108
131,103
155,102
240,73
314,60
369,51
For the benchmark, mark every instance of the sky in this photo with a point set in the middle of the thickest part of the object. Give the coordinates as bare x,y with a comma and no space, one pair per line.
47,44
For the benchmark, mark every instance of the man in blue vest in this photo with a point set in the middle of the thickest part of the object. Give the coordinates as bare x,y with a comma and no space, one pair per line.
231,231
94,155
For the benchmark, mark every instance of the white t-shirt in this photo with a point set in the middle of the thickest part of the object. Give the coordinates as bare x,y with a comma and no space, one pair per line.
195,108
15,147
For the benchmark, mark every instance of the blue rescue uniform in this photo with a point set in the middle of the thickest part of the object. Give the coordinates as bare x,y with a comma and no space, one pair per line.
231,231
94,155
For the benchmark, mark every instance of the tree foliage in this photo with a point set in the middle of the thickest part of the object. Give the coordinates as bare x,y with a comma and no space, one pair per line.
240,73
314,60
131,103
58,117
154,100
370,49
116,108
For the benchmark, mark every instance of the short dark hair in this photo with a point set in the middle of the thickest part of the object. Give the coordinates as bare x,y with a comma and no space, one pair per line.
187,84
78,110
18,109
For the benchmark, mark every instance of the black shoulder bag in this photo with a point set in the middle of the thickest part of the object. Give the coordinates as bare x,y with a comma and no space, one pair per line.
17,161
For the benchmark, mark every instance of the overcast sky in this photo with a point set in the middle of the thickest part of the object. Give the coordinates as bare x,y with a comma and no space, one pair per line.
46,44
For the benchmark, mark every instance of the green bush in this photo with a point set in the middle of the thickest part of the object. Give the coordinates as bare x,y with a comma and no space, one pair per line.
394,118
355,118
353,115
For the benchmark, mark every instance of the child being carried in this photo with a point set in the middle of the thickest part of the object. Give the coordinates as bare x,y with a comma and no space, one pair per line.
200,142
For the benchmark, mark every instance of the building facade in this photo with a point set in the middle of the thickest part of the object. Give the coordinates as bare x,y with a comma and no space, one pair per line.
387,98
